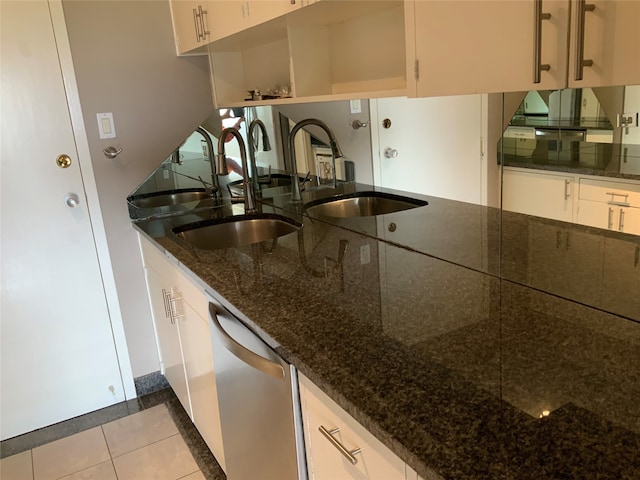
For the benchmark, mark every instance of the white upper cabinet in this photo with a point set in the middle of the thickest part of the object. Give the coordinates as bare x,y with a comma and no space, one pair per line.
484,46
233,16
464,47
191,25
611,30
336,50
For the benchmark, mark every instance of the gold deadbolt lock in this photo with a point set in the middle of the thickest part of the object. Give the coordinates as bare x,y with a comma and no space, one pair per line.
63,161
386,123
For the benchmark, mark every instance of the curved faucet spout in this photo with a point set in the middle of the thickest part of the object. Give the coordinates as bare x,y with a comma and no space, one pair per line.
336,152
266,146
249,194
214,178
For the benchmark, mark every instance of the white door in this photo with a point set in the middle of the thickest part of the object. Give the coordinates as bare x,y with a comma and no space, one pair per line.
57,353
437,142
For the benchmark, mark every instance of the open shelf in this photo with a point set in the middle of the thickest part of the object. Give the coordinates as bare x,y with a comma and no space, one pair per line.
326,51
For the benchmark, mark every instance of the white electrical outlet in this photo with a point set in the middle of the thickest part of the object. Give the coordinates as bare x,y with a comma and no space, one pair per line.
365,254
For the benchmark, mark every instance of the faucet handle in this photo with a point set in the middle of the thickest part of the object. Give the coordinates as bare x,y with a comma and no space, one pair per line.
307,178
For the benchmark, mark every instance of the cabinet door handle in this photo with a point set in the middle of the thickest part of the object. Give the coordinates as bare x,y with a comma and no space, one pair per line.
196,24
580,62
172,298
567,189
538,16
165,298
636,257
621,221
204,30
610,222
349,454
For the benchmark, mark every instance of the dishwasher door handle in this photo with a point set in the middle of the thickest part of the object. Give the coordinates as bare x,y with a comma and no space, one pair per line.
243,353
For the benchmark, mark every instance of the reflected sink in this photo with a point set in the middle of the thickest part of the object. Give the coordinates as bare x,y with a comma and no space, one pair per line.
169,198
361,204
236,231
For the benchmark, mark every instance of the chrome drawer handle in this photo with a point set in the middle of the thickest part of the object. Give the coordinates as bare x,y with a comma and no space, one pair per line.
349,454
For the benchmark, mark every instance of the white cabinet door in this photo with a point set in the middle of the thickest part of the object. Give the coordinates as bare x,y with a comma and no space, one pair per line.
162,300
485,46
611,39
57,352
547,195
324,459
191,24
198,362
179,309
610,217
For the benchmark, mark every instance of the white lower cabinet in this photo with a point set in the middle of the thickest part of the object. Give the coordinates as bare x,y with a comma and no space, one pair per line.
612,205
346,450
548,195
180,317
586,200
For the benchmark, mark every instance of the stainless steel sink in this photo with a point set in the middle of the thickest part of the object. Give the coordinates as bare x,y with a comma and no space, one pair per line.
169,198
361,204
236,231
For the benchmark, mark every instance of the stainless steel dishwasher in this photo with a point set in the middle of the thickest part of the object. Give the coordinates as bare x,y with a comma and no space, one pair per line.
259,403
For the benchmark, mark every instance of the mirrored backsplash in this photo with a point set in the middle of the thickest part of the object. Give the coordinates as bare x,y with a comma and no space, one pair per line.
569,175
589,131
571,196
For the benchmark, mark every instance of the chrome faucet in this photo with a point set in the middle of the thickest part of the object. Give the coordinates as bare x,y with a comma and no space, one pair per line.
335,153
214,177
266,146
249,193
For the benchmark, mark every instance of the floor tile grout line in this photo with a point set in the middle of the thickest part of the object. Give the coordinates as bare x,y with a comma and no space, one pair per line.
87,468
191,473
149,444
106,442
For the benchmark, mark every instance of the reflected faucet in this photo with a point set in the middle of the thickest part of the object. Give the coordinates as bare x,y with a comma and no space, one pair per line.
214,178
266,146
335,153
249,193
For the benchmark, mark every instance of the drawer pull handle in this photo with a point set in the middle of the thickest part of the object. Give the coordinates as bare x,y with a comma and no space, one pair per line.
621,221
610,221
621,203
349,454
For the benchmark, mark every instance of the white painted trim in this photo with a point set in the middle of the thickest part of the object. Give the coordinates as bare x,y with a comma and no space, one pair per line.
484,145
375,142
91,192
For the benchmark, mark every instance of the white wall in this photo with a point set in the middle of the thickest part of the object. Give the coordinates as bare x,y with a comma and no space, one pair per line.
125,63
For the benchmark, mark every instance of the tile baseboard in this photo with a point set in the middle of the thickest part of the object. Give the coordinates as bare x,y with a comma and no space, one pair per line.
150,383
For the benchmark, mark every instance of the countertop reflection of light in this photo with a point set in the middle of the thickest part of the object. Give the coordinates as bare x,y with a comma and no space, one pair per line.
545,413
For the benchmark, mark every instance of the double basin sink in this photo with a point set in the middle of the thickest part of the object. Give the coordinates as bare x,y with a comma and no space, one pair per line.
241,230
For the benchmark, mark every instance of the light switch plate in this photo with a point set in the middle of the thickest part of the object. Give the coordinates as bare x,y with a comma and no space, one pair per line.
105,125
355,106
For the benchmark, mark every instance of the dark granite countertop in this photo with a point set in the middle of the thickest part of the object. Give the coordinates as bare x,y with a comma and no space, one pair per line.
451,366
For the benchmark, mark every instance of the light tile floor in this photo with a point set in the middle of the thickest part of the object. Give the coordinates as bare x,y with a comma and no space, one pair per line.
155,443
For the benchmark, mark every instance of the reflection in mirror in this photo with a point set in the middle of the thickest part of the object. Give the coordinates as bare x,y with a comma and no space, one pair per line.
571,195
